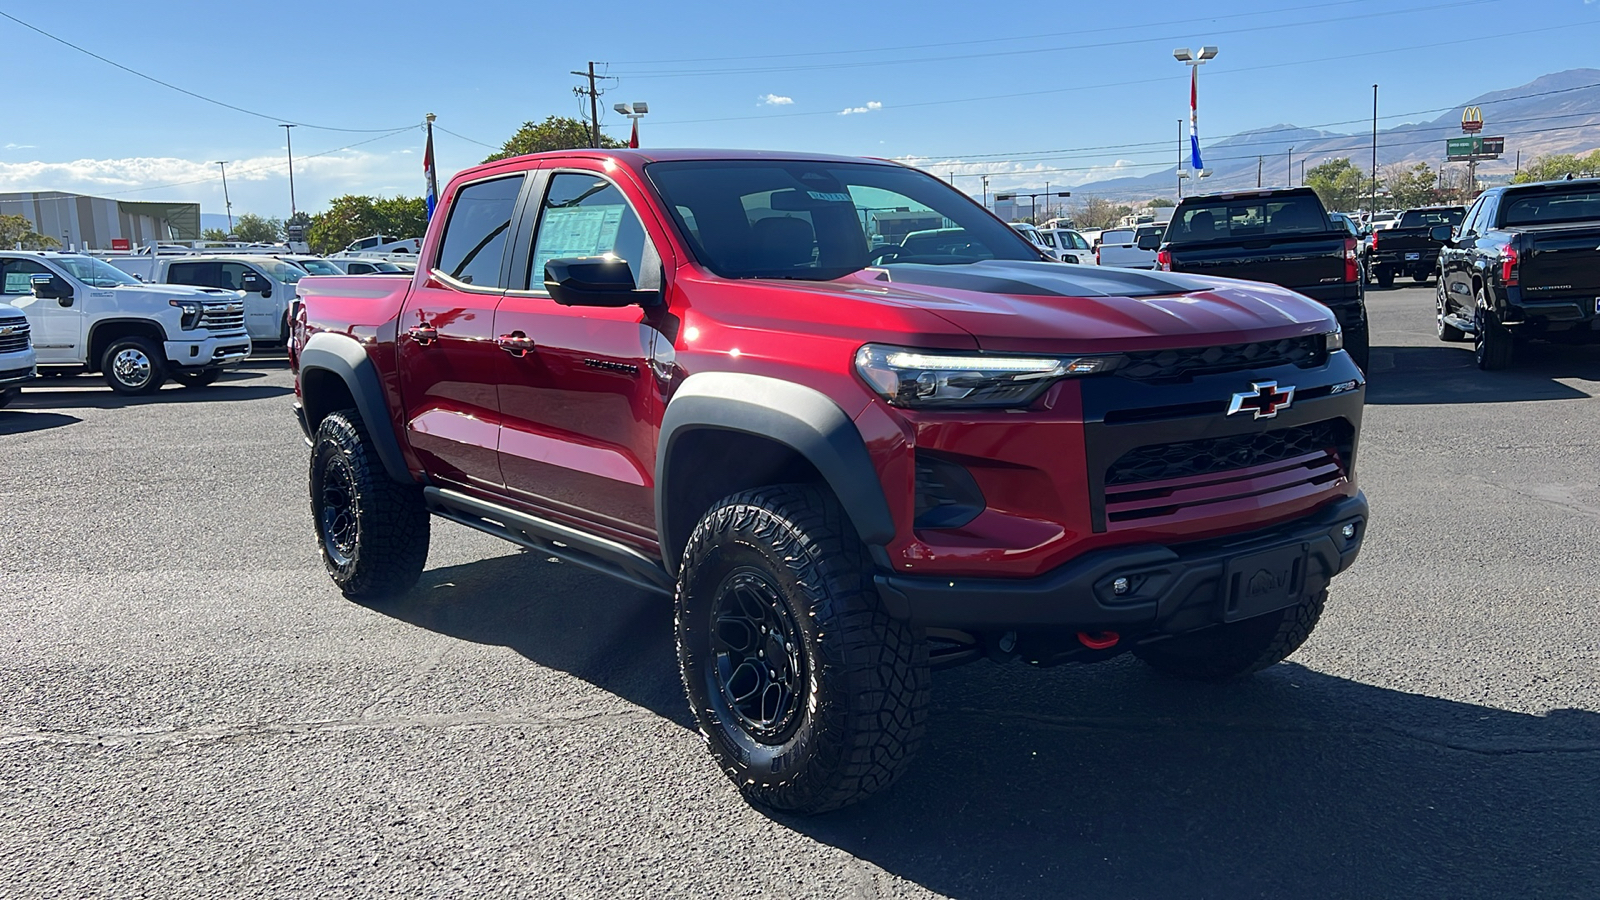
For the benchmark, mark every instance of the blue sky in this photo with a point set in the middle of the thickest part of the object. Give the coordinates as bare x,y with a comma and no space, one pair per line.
957,87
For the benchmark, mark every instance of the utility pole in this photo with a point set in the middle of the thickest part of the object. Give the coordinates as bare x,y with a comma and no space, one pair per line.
1291,167
1373,206
225,201
1519,165
985,192
593,94
1261,162
290,142
1302,172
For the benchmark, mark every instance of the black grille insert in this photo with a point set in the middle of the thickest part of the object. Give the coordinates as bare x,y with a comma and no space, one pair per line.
1167,365
1241,451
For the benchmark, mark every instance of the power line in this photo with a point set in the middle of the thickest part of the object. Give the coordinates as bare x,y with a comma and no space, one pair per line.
438,127
154,80
699,73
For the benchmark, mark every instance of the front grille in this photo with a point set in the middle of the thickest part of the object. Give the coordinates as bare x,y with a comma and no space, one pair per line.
1172,365
14,337
1246,471
222,316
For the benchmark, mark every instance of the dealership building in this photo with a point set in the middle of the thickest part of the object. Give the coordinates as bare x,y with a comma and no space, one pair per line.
82,222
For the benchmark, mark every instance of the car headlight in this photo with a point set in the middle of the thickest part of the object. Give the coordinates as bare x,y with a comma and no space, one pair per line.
1334,340
191,312
934,379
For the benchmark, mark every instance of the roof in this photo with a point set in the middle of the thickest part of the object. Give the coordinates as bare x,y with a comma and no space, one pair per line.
640,158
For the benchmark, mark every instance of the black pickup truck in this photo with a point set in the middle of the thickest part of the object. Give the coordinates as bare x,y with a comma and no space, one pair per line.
1524,264
1408,248
1282,237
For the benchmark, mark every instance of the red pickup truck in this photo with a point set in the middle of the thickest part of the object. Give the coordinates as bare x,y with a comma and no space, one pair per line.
847,455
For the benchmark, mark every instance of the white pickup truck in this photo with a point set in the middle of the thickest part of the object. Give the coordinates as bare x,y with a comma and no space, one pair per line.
268,283
16,352
86,315
1120,247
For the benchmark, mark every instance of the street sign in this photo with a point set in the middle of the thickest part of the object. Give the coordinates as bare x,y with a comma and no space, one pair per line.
1463,149
1472,120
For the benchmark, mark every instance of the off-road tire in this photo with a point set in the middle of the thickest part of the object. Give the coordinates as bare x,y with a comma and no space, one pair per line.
375,544
1492,343
196,379
130,359
1236,649
862,700
1386,278
1446,332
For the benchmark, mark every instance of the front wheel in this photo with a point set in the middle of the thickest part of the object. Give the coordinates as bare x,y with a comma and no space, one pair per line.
372,531
1358,343
196,379
1238,648
809,695
1441,304
134,366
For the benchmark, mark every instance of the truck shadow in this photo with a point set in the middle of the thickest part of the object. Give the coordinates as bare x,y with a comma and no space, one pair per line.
1447,374
86,394
14,421
1112,781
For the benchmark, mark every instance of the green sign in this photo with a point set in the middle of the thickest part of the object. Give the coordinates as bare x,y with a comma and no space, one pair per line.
1474,147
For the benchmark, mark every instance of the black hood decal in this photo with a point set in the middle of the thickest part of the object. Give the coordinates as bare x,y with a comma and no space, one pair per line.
1045,279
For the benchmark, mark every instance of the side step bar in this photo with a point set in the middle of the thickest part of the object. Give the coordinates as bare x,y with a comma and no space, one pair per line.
1460,324
574,546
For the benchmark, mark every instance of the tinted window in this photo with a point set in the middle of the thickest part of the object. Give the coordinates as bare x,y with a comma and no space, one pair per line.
18,275
820,221
1418,218
202,274
1550,207
1221,219
585,215
1470,221
475,236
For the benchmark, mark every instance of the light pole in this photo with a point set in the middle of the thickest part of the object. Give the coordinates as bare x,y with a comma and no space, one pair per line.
985,192
225,201
635,112
290,142
1194,61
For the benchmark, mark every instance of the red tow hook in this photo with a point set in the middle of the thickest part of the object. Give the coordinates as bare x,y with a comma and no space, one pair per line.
1099,640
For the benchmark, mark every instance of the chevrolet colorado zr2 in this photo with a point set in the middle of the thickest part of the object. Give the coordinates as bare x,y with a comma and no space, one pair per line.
846,456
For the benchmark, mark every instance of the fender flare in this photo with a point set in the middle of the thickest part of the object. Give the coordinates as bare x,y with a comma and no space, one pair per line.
801,418
342,356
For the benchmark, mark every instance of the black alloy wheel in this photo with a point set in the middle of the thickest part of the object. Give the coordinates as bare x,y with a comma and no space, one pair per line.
1441,303
337,514
760,671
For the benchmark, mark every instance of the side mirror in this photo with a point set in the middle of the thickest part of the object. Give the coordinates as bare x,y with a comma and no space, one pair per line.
253,283
595,281
1150,242
1441,233
51,287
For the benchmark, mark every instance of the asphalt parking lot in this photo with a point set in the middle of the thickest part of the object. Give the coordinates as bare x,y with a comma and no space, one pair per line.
188,707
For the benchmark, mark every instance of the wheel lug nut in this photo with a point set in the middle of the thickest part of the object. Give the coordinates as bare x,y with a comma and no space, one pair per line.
761,653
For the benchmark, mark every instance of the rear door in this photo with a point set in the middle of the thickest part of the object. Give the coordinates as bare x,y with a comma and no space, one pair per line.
448,361
580,400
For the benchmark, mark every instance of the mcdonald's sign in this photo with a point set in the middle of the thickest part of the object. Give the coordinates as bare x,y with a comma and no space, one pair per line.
1472,120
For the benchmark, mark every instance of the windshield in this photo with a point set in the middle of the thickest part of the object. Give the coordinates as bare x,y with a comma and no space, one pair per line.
1222,219
319,267
820,220
282,271
95,272
1550,207
1417,218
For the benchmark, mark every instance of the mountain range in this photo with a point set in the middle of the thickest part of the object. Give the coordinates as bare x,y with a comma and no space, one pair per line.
1557,113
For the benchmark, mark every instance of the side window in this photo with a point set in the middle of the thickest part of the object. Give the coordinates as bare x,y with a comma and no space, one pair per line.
18,274
1486,215
200,274
475,237
1469,224
232,276
585,215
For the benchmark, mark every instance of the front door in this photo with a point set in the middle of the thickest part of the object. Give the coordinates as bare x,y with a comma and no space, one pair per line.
57,331
448,361
576,389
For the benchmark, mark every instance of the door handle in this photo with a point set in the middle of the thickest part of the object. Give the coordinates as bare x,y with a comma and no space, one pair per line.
516,343
423,334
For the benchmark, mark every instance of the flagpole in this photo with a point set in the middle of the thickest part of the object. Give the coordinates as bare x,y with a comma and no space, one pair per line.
429,177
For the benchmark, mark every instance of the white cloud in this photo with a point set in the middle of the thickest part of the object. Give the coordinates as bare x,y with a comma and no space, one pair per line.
857,110
17,147
1010,175
775,100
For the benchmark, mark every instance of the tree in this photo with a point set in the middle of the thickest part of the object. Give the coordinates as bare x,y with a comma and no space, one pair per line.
1411,186
352,217
17,231
213,234
1098,213
1560,165
253,228
1160,202
554,133
1339,183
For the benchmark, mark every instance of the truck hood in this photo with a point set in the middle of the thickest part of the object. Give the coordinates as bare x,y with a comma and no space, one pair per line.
1019,306
180,291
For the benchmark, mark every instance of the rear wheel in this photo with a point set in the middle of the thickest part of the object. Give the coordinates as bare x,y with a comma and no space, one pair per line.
1238,648
196,378
1386,278
1420,277
809,694
1445,330
372,531
134,365
1492,344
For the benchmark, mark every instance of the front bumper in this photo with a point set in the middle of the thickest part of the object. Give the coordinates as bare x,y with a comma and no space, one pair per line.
1172,589
12,374
211,351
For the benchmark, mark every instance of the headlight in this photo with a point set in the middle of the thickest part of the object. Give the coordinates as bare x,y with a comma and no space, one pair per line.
191,312
932,379
1334,340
